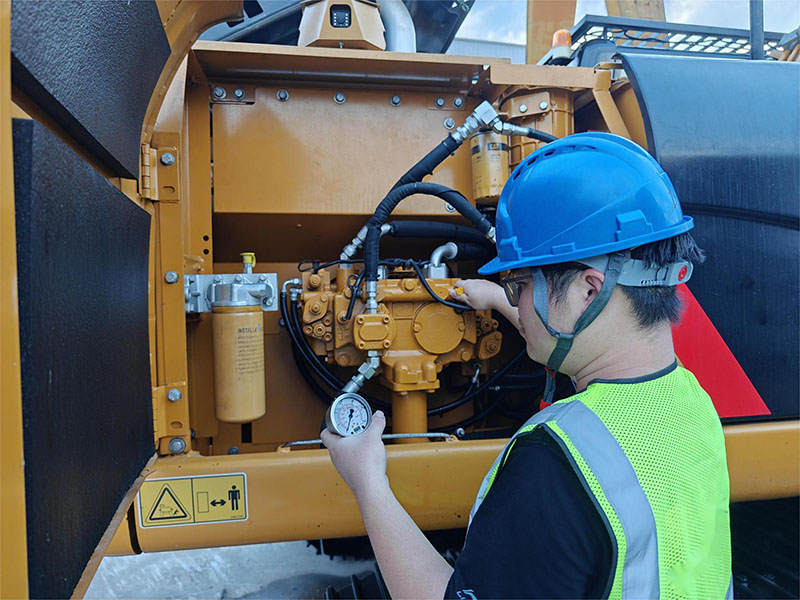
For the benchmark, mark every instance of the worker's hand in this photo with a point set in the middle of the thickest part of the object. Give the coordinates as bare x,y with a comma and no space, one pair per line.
360,459
480,294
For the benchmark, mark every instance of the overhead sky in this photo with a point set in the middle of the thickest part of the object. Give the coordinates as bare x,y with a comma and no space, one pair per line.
504,20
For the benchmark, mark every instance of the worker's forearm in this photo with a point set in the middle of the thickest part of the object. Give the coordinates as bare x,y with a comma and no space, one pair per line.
410,565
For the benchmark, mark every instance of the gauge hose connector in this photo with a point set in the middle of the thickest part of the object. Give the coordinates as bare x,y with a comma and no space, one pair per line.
367,369
484,115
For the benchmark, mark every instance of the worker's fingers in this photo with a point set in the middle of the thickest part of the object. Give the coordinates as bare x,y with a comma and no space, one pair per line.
378,424
327,437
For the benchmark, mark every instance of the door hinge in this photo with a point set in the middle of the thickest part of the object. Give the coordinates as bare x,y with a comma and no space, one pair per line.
147,165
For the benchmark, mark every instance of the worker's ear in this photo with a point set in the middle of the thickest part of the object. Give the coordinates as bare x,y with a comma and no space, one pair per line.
589,282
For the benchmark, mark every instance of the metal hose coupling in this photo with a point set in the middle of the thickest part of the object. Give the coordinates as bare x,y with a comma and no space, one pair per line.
367,369
484,115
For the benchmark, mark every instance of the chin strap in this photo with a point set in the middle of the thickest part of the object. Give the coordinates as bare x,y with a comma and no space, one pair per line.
564,340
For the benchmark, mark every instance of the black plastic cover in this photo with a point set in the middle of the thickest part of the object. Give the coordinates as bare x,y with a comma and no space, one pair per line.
82,253
92,67
726,132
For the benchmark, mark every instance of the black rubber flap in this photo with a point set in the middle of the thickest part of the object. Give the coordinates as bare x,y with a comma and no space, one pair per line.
82,251
92,66
726,132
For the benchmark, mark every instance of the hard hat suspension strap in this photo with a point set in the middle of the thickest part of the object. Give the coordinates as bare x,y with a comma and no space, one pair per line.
564,340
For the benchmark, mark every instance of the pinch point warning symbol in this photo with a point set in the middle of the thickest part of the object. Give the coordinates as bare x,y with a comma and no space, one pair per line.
167,507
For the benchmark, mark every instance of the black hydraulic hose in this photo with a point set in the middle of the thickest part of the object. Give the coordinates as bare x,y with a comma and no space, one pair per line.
390,202
421,275
475,251
429,162
480,389
437,229
298,338
535,134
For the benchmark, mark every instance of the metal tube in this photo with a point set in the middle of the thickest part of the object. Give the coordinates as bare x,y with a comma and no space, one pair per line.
757,29
448,250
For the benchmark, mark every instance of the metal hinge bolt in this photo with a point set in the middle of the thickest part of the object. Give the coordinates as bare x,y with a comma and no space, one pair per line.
177,445
168,159
174,395
171,277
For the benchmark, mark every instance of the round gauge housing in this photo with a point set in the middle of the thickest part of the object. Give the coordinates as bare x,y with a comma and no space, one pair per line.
349,415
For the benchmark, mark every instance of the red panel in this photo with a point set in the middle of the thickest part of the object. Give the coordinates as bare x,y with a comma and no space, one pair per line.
702,351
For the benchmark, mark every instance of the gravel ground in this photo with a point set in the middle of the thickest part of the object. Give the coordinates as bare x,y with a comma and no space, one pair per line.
281,571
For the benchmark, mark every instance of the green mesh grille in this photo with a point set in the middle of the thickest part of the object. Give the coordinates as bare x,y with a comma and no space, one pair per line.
671,433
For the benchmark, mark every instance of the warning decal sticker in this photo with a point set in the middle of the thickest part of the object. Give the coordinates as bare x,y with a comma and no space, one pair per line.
193,500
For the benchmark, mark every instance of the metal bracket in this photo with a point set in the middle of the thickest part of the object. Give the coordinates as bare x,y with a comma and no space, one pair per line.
198,289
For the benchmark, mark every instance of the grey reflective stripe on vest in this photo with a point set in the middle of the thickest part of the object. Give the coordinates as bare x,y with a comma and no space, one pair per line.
729,594
609,464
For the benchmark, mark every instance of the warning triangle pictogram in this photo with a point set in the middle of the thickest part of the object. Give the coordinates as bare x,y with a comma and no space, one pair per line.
167,507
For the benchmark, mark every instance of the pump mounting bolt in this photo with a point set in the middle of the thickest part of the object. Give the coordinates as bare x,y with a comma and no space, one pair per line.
314,281
283,95
458,102
238,93
439,102
219,93
449,123
168,159
339,98
174,394
523,108
543,105
417,327
396,100
409,284
171,277
177,445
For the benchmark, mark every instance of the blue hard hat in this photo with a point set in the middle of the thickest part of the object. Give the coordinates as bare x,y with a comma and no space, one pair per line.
582,196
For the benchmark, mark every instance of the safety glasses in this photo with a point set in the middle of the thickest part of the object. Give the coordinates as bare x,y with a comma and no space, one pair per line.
512,286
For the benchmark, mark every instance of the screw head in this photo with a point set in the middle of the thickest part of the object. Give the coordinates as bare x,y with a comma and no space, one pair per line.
174,395
449,123
238,93
283,95
262,277
219,93
523,108
171,277
449,207
177,445
339,97
168,159
439,102
238,279
233,450
458,102
543,105
396,100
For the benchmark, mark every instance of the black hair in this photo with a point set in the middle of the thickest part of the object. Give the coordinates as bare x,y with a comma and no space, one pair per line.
650,305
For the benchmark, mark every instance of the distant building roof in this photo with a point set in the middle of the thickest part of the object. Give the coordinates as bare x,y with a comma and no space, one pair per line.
469,47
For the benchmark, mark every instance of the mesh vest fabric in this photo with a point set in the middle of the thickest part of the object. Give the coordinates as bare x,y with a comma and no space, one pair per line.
671,435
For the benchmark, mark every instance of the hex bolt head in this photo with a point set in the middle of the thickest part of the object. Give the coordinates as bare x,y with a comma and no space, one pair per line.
233,450
449,123
543,105
282,95
171,277
238,279
262,277
177,445
523,108
396,100
174,394
168,159
449,207
439,102
458,102
339,98
219,93
238,93
217,278
460,433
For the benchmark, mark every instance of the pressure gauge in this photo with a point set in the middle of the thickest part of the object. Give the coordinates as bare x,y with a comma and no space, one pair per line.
349,415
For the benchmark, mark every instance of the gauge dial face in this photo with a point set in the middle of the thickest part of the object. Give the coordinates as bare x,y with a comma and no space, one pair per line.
349,415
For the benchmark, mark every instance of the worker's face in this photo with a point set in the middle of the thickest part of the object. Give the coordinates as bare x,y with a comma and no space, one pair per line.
562,315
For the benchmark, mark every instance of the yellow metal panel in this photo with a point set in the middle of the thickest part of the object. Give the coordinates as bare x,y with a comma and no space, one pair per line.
545,17
13,540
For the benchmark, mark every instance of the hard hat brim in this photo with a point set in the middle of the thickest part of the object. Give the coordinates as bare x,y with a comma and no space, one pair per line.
497,266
